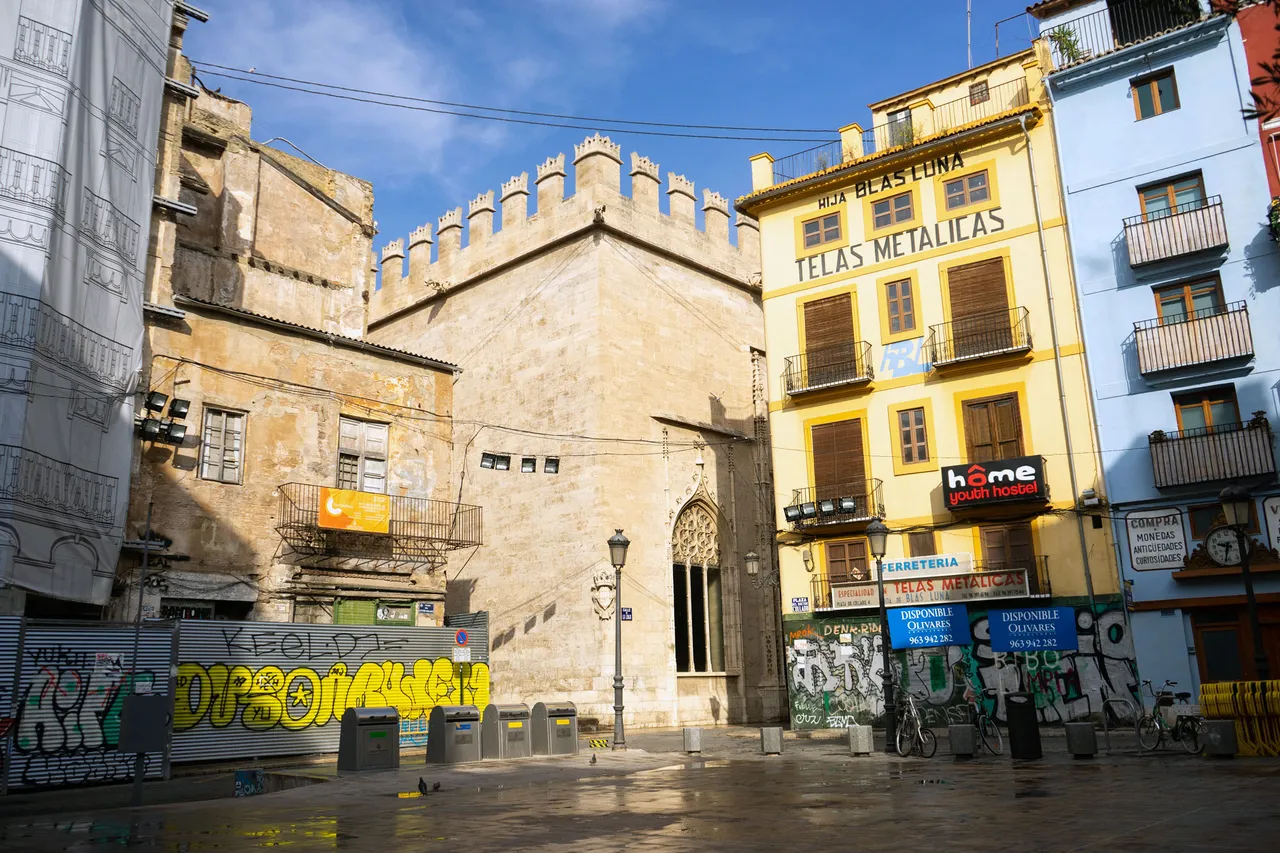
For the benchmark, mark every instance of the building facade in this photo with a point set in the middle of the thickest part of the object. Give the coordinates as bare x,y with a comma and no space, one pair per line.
612,377
929,371
1258,24
1167,195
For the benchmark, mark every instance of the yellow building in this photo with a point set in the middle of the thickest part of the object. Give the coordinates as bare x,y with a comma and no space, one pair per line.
921,324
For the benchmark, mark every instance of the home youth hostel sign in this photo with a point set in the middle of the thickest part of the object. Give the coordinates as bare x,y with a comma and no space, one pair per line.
979,484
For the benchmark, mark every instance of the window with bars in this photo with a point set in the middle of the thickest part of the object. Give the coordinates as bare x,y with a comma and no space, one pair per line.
979,93
222,446
362,456
912,435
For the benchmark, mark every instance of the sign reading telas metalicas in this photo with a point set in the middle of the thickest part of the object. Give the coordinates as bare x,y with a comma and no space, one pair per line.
984,483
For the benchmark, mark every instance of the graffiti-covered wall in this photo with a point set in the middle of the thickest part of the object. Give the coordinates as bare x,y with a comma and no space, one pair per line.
834,672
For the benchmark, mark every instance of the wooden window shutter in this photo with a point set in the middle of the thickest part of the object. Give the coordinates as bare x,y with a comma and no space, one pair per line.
977,289
993,429
977,432
847,562
1007,546
1007,427
837,458
828,323
921,544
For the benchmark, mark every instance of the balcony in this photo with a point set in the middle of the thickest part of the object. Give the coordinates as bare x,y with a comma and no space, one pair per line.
982,336
989,581
1202,337
420,532
28,323
1183,230
42,46
56,488
830,367
845,503
34,180
1209,454
1121,25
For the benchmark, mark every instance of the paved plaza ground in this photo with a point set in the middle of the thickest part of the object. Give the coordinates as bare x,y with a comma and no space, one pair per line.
814,797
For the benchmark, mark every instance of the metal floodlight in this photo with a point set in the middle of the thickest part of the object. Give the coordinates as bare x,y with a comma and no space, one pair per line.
1236,504
808,510
618,548
173,433
528,465
178,408
877,537
551,465
487,460
847,504
149,429
752,561
827,506
156,400
502,463
791,513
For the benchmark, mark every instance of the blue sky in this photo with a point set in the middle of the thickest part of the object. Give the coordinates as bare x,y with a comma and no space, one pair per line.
768,64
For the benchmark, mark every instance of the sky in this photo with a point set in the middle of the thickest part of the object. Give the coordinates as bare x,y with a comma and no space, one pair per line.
710,62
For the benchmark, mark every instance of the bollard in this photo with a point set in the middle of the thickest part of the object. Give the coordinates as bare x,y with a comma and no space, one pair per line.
860,740
692,740
1219,739
964,741
771,740
1082,740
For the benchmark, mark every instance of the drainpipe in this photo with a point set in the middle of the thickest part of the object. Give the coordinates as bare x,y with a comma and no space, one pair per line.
1062,393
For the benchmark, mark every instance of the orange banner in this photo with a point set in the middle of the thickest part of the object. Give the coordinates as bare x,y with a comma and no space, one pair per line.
345,509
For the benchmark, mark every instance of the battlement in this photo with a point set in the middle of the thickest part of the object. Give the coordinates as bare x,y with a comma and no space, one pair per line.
597,201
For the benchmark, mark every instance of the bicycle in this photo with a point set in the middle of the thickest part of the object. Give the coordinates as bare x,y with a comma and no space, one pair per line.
1153,727
913,735
988,731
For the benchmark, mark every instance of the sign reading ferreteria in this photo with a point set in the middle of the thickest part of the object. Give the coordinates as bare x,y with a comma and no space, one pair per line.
1157,539
932,566
984,483
967,586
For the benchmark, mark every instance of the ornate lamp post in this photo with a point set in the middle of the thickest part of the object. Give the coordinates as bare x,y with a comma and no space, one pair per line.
877,537
1236,506
618,556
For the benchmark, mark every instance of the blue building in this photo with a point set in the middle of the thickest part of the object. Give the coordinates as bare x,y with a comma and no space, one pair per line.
1179,294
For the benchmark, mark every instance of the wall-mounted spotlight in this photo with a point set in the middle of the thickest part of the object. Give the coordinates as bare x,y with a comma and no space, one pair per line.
156,400
178,408
149,429
791,513
173,433
847,504
827,506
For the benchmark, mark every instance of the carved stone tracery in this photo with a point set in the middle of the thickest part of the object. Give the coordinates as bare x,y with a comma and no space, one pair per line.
695,540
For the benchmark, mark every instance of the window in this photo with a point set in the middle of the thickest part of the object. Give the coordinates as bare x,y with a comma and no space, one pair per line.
495,461
970,189
1189,300
222,450
824,229
839,469
890,211
362,456
696,587
551,465
921,544
912,436
1210,411
979,93
902,306
993,428
1154,94
847,562
528,465
830,355
1176,196
900,127
1205,517
1007,546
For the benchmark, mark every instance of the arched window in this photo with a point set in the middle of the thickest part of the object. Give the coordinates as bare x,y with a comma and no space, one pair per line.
698,593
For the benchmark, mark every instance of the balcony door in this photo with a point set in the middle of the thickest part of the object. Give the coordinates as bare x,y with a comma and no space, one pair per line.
993,429
362,456
979,309
1007,546
828,340
1169,197
1192,300
839,467
1213,410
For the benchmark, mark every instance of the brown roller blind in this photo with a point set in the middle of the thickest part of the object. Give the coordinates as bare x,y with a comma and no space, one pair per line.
993,428
847,561
837,458
1007,546
977,289
828,323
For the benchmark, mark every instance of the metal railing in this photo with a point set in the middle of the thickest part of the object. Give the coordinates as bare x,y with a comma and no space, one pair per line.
1201,337
821,585
1208,454
27,322
420,531
103,222
42,46
981,336
842,503
967,110
38,481
35,180
809,161
1181,230
1118,26
125,106
828,367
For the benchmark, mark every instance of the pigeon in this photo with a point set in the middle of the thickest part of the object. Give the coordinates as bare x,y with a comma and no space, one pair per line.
593,761
422,786
435,786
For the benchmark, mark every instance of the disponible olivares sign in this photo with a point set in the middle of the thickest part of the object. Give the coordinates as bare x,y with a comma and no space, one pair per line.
978,484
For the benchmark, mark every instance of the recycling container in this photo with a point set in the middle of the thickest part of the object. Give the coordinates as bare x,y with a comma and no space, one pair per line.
369,740
453,734
555,728
504,732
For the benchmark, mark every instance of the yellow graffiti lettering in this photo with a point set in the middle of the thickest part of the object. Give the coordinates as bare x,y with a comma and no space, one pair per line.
191,678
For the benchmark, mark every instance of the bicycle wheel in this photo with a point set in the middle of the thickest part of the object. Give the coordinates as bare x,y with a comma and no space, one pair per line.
927,742
991,738
906,737
1149,733
1189,735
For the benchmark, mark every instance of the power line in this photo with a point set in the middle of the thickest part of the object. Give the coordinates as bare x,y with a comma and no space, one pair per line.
593,119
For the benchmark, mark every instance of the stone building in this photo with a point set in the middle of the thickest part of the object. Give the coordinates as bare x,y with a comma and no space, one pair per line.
612,377
257,286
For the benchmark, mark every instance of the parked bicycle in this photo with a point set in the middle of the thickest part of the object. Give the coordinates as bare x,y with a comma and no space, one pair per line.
1153,727
914,737
988,731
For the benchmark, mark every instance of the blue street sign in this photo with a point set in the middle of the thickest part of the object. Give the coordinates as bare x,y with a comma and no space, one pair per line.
626,614
800,605
460,638
934,625
1033,629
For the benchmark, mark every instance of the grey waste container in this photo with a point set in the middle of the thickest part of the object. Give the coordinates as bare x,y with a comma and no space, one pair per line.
369,740
453,734
555,728
504,732
1024,729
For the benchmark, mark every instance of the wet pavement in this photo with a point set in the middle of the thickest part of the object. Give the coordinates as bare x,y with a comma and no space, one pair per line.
813,797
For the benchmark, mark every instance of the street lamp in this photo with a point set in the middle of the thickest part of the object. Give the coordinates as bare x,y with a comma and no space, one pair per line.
1236,508
877,537
618,556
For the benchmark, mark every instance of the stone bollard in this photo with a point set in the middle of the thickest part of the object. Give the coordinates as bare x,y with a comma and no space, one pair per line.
860,742
964,741
1219,739
771,740
692,740
1082,740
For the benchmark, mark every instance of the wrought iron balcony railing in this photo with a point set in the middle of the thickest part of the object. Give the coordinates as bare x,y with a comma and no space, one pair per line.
28,322
420,532
1209,454
1122,24
104,222
35,180
829,367
987,581
1183,230
42,46
809,161
981,336
50,486
1202,337
843,503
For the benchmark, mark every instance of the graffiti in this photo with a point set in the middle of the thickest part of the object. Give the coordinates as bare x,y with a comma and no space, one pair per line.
832,682
250,783
306,646
303,697
904,358
85,768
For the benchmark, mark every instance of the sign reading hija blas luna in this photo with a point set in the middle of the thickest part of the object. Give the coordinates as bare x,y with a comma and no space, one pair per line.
902,243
